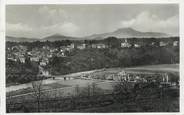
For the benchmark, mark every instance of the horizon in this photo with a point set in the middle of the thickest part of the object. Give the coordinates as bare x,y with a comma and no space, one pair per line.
55,34
85,20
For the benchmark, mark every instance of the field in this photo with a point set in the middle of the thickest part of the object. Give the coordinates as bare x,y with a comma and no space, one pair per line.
58,87
157,68
50,84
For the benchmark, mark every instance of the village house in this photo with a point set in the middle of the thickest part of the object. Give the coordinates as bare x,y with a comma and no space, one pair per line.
61,54
36,59
61,50
44,73
29,53
15,48
162,43
99,46
67,48
93,46
53,50
153,44
12,59
71,46
137,45
81,46
19,48
46,47
125,44
111,77
10,55
175,43
22,59
88,46
44,61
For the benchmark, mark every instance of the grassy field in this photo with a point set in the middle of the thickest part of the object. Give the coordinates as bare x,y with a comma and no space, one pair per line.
156,68
60,83
30,90
164,68
148,99
60,88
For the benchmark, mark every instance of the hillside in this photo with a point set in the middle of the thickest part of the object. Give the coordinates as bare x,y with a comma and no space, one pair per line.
127,33
57,37
119,33
20,39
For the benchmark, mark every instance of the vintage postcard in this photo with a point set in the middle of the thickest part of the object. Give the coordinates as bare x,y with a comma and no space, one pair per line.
92,58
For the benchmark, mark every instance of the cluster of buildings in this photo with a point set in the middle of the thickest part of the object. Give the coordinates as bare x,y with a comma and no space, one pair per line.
134,77
123,44
126,44
16,53
43,54
163,78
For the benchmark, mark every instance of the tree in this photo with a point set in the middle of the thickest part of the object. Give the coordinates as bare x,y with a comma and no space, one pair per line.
94,88
122,91
112,42
77,91
37,92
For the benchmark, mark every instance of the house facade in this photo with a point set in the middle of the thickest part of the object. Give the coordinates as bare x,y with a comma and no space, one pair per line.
125,44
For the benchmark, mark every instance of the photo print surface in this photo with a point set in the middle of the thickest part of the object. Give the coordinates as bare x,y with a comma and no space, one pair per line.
92,58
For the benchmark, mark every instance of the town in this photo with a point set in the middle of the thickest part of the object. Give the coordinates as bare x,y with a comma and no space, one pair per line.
92,58
101,66
42,54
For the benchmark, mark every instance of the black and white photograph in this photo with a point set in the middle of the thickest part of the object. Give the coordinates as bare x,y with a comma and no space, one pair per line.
92,58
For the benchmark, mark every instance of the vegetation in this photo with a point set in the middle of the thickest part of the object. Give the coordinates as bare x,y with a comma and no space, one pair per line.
91,58
37,92
125,97
140,97
147,96
17,72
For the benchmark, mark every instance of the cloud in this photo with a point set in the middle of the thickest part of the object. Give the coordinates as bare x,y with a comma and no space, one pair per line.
69,28
51,16
146,21
66,28
17,27
51,21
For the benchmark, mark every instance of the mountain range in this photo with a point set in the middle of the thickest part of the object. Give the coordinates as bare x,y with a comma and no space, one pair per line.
20,39
119,33
128,33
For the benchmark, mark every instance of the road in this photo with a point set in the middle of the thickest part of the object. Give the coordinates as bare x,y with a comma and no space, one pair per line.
73,82
67,91
47,81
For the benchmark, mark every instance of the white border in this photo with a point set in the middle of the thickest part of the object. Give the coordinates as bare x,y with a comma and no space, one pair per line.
2,57
88,1
22,2
181,56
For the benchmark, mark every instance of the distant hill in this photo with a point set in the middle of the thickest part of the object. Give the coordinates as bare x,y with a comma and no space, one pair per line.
119,33
57,37
20,39
127,33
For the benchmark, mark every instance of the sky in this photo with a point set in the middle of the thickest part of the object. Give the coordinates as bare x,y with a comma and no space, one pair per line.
38,21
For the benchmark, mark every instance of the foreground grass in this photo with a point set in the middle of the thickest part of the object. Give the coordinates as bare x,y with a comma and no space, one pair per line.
30,90
148,100
102,74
